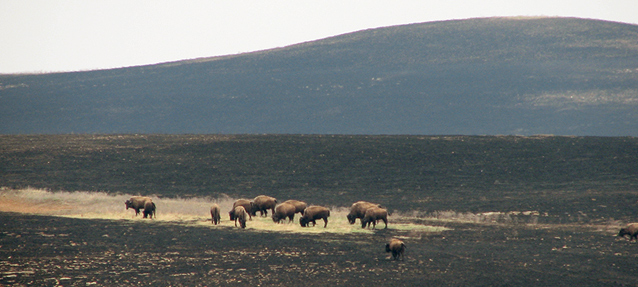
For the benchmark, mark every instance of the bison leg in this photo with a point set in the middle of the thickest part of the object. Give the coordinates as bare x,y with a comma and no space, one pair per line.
325,220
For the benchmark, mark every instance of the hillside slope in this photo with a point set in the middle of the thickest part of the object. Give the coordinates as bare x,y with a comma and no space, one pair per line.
480,76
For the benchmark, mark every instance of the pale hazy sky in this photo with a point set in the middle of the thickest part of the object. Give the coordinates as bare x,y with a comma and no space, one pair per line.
49,36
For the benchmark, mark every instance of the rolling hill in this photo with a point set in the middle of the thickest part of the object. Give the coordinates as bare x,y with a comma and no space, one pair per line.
563,76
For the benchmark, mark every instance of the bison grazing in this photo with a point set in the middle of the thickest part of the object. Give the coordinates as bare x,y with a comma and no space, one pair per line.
397,247
358,210
149,209
262,203
631,230
373,215
241,215
139,202
313,213
214,213
300,206
282,211
245,203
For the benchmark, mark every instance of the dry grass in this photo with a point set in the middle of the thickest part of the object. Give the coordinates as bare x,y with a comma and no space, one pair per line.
190,211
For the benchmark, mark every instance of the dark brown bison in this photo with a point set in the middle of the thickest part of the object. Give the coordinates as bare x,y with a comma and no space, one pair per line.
373,215
245,203
241,215
262,203
149,209
397,247
631,229
282,211
214,214
137,203
313,213
358,210
300,206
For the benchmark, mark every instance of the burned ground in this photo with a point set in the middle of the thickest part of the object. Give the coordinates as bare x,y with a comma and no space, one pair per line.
44,250
513,210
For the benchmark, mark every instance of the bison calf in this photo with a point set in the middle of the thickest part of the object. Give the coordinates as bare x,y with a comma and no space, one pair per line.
397,247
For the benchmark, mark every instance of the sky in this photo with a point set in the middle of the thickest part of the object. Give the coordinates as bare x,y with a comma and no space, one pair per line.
41,36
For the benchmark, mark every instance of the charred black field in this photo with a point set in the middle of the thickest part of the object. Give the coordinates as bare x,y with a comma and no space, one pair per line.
472,210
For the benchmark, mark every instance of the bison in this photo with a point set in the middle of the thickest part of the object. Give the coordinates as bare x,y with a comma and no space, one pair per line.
373,215
313,213
240,214
149,209
139,202
631,230
214,213
282,211
397,247
245,203
262,203
358,210
300,206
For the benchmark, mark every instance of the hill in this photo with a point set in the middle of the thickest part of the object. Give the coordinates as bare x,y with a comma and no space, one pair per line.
561,76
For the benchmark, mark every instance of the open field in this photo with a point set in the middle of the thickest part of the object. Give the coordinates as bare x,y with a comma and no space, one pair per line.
516,211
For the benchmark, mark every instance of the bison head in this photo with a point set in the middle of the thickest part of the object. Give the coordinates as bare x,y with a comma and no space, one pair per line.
303,221
351,218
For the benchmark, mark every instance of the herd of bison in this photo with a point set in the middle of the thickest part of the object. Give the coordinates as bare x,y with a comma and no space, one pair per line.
243,210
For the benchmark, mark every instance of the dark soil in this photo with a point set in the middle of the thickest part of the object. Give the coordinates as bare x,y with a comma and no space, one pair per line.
46,251
584,189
